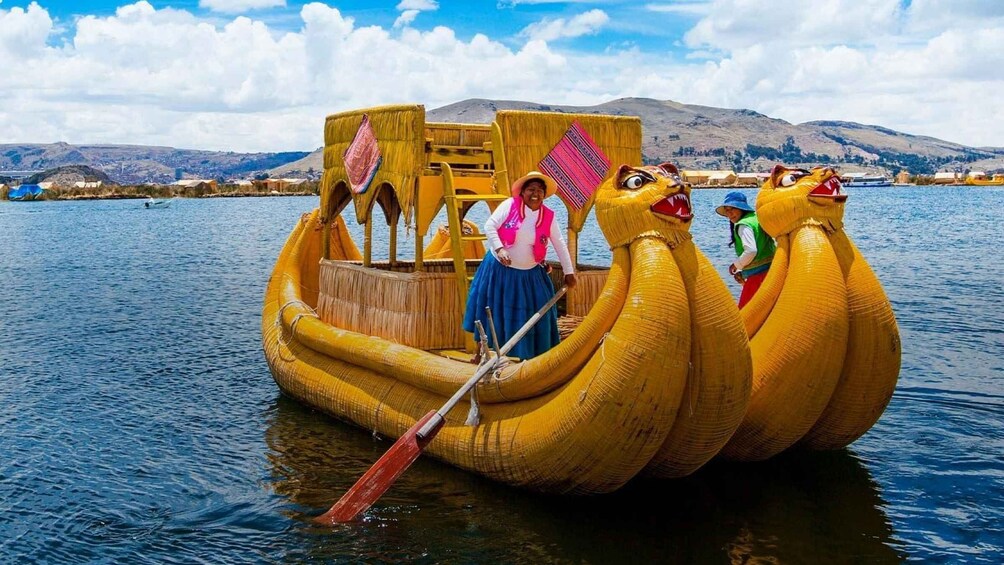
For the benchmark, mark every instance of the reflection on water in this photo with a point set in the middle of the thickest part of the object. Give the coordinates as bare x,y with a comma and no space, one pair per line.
799,508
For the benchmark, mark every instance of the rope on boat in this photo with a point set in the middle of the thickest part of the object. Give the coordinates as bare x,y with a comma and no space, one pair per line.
292,326
693,387
603,359
474,414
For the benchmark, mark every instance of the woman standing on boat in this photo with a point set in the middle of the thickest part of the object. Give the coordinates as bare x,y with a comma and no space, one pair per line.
754,248
513,278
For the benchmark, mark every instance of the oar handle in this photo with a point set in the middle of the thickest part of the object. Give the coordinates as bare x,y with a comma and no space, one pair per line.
491,322
433,424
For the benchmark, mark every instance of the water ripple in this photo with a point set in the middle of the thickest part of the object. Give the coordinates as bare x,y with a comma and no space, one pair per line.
140,423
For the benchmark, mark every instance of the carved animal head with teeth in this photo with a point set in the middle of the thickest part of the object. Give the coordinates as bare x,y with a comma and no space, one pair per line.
793,197
636,201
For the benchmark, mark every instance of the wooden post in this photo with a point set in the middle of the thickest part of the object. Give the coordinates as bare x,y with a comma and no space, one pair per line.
457,245
326,239
393,242
368,243
573,246
419,243
419,252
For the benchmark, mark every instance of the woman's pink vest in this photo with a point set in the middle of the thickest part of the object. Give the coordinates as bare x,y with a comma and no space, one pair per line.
508,229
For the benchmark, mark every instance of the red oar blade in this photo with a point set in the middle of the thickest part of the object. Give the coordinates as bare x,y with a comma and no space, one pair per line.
381,475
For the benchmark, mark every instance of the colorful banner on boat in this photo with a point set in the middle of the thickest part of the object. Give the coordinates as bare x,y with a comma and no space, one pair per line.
362,157
577,165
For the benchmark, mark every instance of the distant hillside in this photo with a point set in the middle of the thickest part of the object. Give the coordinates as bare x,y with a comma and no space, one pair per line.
702,137
693,137
134,164
70,174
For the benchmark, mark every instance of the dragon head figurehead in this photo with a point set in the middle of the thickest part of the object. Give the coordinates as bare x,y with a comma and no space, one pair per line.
794,197
644,201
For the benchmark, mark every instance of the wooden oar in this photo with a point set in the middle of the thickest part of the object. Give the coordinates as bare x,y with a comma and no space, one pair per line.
409,446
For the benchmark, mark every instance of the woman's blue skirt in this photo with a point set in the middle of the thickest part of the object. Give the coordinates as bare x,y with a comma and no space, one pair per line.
514,295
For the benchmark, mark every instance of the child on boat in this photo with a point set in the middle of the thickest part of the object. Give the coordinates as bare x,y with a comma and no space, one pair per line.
513,278
754,248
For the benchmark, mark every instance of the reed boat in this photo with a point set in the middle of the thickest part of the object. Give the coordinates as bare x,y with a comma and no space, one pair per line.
658,371
996,180
825,344
655,376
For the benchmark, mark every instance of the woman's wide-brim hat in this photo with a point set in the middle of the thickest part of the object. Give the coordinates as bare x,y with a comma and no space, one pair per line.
735,200
550,187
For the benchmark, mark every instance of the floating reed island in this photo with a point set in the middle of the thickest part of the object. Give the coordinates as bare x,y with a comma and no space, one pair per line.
658,371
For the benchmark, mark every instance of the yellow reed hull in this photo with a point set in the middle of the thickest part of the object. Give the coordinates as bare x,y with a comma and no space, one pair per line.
718,385
798,351
584,418
872,362
826,349
821,387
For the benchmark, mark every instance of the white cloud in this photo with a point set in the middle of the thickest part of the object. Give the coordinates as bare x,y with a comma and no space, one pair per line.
733,24
239,6
514,3
23,32
699,8
581,24
406,18
410,10
420,5
169,77
868,61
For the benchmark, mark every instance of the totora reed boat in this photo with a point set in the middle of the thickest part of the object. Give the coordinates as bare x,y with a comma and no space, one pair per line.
655,373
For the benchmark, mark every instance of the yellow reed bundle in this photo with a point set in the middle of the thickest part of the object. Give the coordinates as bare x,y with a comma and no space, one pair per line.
442,248
871,366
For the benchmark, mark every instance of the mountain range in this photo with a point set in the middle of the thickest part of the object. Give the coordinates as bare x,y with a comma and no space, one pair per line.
691,136
140,164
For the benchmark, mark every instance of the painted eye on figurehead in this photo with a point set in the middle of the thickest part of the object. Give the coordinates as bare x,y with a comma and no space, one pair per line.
637,180
791,178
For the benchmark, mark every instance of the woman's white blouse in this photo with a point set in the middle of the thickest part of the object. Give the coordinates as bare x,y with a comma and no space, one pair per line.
521,252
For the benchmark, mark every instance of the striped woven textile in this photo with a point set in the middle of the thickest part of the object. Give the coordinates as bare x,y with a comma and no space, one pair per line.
577,165
362,157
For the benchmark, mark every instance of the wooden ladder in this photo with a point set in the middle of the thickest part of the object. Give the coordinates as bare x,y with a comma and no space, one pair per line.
454,204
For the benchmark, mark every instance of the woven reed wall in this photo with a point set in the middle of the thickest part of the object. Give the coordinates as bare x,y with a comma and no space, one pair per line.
529,136
418,309
462,135
400,133
589,284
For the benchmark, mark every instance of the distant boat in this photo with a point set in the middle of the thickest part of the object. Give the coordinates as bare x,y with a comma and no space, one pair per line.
864,179
997,180
157,203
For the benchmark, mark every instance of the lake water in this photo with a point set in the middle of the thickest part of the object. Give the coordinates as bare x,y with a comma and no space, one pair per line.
140,422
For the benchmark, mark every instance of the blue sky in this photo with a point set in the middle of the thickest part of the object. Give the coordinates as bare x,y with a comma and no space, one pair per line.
216,74
646,25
